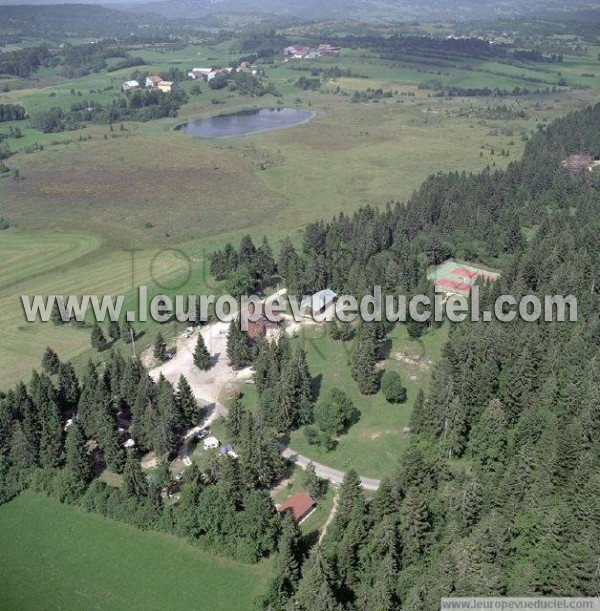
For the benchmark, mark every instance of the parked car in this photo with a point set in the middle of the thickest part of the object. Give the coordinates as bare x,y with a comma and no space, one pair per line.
180,475
210,443
202,434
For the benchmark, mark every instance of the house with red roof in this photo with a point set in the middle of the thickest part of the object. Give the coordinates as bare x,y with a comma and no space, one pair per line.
301,505
153,80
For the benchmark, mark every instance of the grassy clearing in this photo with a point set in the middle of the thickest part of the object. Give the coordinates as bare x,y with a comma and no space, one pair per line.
67,559
374,445
62,263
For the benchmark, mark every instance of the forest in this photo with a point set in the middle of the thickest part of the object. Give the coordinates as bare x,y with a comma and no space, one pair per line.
497,492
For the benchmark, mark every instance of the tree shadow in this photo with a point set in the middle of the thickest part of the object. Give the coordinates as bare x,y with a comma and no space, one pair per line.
315,386
386,349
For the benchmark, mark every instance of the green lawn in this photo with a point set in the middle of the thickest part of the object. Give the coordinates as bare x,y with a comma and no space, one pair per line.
375,443
57,557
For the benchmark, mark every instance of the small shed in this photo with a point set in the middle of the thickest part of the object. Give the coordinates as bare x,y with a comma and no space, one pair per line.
301,505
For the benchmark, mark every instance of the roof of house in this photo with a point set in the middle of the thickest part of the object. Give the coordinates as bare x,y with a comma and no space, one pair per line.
299,504
155,78
165,83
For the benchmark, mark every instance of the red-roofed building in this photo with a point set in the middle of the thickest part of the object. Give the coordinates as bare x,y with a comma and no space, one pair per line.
153,80
453,286
300,504
258,323
463,272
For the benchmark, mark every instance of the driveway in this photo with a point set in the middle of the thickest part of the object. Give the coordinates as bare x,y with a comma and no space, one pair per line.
211,387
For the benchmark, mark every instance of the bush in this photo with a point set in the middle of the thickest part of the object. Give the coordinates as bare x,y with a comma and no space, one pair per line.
334,412
391,387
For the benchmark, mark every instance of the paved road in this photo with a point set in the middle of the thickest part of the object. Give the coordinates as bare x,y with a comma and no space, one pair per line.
325,472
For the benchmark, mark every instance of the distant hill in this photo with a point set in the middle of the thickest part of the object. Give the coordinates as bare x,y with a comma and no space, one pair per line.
362,9
61,22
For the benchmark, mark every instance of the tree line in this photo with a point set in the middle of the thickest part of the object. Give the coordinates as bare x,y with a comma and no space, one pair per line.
496,493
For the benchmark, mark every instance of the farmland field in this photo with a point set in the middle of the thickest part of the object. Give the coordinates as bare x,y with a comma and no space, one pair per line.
146,186
64,558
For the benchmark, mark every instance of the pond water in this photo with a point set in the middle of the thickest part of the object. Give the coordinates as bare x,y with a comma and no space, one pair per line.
245,122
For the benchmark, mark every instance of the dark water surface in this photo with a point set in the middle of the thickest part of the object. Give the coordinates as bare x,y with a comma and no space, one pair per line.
245,122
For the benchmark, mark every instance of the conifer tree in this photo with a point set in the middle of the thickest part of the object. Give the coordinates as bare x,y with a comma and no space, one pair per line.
159,347
27,416
239,350
363,364
50,361
187,405
51,443
235,420
134,481
111,443
416,526
127,332
87,405
286,567
76,456
167,421
97,338
202,358
68,386
21,452
114,332
265,262
315,591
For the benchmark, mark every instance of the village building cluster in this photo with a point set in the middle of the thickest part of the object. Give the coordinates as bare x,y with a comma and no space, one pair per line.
154,81
306,52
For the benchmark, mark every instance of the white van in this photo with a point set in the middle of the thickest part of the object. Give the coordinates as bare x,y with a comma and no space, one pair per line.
210,443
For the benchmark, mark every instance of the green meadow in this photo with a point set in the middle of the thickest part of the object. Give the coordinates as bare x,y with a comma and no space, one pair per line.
88,197
53,556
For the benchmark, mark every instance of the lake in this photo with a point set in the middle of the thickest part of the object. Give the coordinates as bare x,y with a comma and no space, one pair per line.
246,122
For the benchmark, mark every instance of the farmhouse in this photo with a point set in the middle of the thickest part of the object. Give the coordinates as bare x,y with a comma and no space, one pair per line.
153,80
199,73
329,50
457,278
301,505
318,303
127,85
166,86
245,67
259,324
297,51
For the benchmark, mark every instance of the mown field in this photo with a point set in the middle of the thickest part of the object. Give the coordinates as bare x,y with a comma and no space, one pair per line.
145,186
57,557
